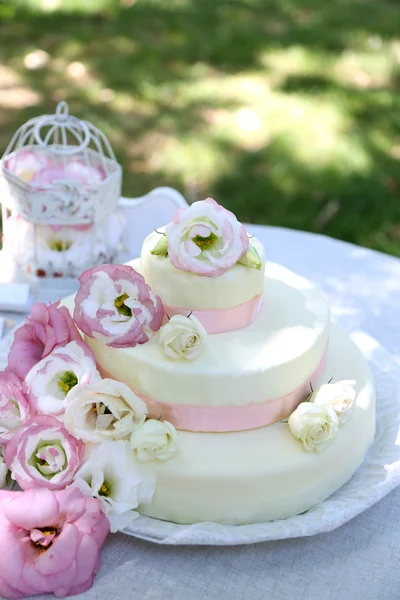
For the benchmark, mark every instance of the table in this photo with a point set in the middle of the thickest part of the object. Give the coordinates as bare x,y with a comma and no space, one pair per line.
358,561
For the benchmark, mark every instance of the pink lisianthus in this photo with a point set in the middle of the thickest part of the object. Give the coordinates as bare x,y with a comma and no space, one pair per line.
27,164
44,329
43,454
40,170
50,542
115,304
206,239
15,409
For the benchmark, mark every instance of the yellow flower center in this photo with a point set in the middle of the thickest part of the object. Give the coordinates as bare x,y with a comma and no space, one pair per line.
59,245
105,489
121,307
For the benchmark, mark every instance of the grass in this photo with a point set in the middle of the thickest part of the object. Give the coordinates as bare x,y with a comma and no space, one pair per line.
286,111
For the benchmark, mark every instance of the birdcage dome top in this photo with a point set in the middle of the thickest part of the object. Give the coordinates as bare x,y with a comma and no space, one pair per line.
62,134
59,167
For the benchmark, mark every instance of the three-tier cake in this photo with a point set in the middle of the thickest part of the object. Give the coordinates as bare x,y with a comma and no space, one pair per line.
274,405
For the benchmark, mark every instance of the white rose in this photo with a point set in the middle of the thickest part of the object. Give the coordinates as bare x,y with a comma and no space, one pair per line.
106,410
111,474
340,396
51,380
154,439
183,337
314,425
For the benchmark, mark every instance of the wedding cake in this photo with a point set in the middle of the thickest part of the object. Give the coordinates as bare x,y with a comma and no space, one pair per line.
273,403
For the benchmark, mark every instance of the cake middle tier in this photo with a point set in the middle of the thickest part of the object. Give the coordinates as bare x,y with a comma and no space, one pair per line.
269,359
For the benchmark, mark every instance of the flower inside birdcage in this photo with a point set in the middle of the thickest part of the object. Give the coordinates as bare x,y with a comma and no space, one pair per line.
41,170
60,186
62,251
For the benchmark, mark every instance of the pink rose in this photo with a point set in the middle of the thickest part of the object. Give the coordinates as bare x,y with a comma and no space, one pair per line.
44,329
206,239
115,304
50,542
15,409
43,454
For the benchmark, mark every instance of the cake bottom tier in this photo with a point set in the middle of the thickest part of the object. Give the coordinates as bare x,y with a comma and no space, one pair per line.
265,474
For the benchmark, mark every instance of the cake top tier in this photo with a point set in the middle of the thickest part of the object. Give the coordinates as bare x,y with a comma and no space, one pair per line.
203,260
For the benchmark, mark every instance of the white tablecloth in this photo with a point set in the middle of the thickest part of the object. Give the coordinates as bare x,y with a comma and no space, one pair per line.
358,561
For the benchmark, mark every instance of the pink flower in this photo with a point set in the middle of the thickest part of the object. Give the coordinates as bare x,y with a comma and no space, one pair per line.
15,409
43,454
27,164
115,304
206,239
50,542
42,171
45,328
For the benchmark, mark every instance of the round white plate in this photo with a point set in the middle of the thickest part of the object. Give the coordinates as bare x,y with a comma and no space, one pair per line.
378,475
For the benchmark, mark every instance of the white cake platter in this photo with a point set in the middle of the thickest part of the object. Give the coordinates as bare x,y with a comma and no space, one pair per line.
378,475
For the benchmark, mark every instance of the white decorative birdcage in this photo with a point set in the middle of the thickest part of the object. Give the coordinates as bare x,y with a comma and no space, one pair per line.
60,186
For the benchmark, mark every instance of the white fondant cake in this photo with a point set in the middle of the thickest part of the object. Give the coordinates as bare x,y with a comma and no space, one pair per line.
264,474
266,360
264,364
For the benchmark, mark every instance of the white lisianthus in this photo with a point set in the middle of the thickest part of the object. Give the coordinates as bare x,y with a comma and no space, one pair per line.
52,247
154,440
106,410
111,474
183,337
314,425
340,396
67,246
51,380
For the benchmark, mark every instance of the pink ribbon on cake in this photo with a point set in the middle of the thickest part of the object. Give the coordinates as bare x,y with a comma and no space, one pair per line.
220,320
221,419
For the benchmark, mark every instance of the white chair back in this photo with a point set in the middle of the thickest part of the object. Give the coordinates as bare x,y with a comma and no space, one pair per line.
146,213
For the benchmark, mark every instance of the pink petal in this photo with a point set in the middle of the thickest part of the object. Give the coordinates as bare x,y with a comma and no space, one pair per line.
33,509
39,537
72,503
87,564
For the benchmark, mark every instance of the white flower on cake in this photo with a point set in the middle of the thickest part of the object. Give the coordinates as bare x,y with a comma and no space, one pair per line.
111,474
340,396
154,440
52,379
314,425
106,410
183,337
205,239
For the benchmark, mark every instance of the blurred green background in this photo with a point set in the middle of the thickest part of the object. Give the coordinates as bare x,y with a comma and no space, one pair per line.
286,111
